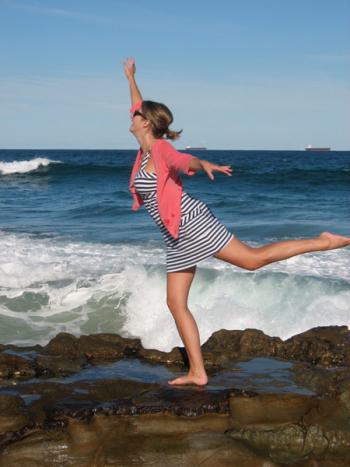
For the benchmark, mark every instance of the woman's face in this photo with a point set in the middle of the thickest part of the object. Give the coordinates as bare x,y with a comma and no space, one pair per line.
139,124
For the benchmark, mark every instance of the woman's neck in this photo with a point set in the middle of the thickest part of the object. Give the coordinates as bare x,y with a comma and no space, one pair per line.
146,142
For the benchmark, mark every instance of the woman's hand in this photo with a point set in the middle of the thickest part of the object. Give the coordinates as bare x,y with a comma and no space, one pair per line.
209,168
129,67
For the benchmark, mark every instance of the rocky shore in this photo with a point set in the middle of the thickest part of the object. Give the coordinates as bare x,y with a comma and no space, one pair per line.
103,400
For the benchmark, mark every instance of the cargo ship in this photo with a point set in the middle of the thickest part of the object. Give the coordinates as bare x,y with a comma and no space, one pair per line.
195,148
314,148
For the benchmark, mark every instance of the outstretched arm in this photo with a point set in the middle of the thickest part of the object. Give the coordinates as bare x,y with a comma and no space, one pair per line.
130,70
208,167
189,164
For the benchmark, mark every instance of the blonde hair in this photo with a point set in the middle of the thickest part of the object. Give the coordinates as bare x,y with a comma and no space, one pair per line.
160,118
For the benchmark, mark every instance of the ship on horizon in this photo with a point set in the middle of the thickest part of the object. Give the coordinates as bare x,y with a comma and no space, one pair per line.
196,148
314,148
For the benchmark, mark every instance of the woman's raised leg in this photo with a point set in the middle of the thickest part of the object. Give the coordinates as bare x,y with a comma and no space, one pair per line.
178,287
244,256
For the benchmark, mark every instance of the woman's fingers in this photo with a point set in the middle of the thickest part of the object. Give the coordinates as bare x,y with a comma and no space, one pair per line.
209,168
208,171
129,66
224,168
129,61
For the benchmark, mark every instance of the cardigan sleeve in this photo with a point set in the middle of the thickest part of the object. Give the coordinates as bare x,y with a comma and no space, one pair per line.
136,106
176,160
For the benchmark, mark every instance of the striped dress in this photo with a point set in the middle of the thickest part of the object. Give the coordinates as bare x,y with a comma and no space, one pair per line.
201,235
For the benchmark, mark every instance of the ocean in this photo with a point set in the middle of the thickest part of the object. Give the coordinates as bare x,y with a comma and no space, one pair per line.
75,258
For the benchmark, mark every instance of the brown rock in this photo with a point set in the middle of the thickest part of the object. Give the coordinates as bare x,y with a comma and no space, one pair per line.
131,441
13,414
291,428
38,448
63,344
270,408
175,357
109,346
235,344
102,346
318,379
56,365
294,442
324,345
14,366
328,346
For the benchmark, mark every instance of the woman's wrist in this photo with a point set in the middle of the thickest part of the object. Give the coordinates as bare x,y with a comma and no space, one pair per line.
196,163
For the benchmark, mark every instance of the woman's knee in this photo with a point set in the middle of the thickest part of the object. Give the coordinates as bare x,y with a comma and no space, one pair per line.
175,305
178,287
239,254
170,303
255,261
252,266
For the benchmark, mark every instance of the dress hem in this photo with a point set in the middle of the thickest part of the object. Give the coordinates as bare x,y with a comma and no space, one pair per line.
203,259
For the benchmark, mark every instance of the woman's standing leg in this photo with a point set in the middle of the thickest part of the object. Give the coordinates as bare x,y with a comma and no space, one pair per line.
178,287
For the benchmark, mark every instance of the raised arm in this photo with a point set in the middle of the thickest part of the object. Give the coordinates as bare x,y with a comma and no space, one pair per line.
130,70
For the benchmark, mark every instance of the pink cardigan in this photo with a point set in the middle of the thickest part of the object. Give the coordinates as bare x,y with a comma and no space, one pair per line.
168,163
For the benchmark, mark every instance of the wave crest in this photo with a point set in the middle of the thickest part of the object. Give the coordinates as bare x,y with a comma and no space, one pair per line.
8,168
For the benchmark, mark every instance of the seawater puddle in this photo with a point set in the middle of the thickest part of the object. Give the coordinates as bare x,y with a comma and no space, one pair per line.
261,375
27,354
258,374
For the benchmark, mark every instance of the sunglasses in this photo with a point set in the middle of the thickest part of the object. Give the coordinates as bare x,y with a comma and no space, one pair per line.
138,113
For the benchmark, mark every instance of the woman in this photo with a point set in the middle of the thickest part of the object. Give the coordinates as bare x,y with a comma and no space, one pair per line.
190,230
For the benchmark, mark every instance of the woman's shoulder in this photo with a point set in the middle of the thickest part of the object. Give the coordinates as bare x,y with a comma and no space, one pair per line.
160,141
163,144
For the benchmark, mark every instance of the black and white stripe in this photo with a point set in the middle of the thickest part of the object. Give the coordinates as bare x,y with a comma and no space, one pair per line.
201,234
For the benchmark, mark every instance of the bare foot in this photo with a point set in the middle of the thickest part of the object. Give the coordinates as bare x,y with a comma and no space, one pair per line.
190,379
334,240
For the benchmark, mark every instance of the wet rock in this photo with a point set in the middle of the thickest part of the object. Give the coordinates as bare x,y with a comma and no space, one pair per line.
325,345
13,414
52,365
44,448
270,408
83,399
292,428
63,344
237,344
27,348
190,402
14,366
174,357
120,421
95,346
294,442
120,442
109,346
326,381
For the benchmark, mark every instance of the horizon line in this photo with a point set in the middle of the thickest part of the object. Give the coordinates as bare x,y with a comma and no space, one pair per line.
181,149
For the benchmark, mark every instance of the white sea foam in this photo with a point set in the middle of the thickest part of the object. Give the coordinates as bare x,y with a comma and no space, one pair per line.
279,304
7,168
52,285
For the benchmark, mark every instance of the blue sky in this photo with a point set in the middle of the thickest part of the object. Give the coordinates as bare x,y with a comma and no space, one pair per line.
248,74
